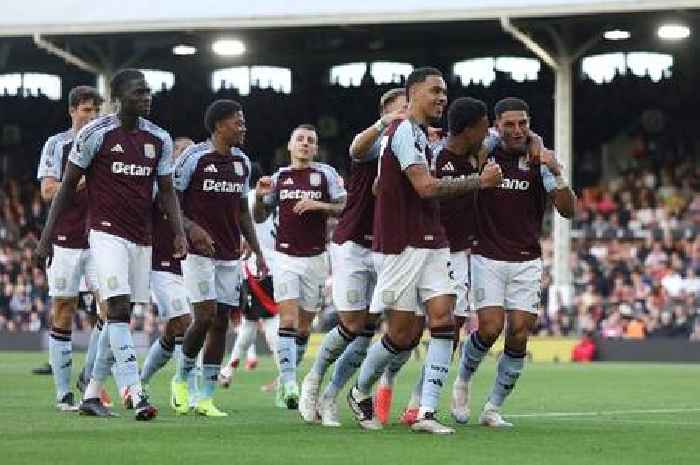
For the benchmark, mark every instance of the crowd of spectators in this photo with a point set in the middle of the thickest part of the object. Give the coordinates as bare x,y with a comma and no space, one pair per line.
635,259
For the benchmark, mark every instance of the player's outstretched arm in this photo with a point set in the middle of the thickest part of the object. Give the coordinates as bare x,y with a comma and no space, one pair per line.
362,143
429,187
60,202
171,206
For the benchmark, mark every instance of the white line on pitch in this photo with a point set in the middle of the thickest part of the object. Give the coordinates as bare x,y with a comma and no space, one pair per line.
605,413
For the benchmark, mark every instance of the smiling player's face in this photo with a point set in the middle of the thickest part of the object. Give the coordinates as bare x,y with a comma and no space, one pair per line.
514,129
303,145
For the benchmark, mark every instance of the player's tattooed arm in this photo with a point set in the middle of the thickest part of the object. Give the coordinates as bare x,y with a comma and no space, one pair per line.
60,203
429,187
330,208
168,201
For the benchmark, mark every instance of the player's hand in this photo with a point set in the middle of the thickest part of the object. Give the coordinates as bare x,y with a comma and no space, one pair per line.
81,184
201,241
491,176
264,186
43,254
246,251
307,205
261,266
534,149
180,246
393,116
549,158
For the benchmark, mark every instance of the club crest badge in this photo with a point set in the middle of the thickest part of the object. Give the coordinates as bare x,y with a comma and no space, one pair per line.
149,150
315,179
238,168
523,165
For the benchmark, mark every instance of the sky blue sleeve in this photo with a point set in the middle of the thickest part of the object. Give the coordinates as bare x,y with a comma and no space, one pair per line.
87,144
336,190
548,180
165,164
403,145
184,168
49,165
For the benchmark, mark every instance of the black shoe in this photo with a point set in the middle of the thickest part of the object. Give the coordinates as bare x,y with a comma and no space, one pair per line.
67,403
363,409
94,408
43,370
81,383
145,411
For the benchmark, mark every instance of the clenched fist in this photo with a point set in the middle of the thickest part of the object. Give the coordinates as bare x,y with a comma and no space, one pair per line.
491,176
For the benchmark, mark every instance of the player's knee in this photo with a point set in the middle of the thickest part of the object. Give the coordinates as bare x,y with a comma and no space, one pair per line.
119,309
177,325
354,324
220,322
64,309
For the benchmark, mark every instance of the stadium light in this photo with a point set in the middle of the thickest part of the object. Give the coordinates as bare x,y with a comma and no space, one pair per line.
616,34
673,31
228,47
183,50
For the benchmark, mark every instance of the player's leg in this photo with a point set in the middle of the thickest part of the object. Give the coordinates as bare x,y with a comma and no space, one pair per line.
198,275
64,287
488,290
410,413
61,351
395,342
522,304
396,290
163,348
460,390
213,355
346,365
436,288
170,296
228,300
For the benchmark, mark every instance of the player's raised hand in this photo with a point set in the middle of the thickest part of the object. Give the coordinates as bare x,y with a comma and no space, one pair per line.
535,148
264,186
491,176
201,241
549,158
180,246
307,205
393,116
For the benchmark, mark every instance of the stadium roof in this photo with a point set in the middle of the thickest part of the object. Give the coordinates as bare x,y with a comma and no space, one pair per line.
80,16
420,43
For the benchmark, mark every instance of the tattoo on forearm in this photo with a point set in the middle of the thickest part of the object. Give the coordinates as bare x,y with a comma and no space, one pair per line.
450,187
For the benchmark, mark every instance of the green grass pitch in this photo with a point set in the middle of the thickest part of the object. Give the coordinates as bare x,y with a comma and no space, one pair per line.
563,414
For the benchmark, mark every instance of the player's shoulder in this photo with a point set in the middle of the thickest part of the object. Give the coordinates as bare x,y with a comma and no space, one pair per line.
324,168
194,152
101,124
153,129
61,137
240,154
